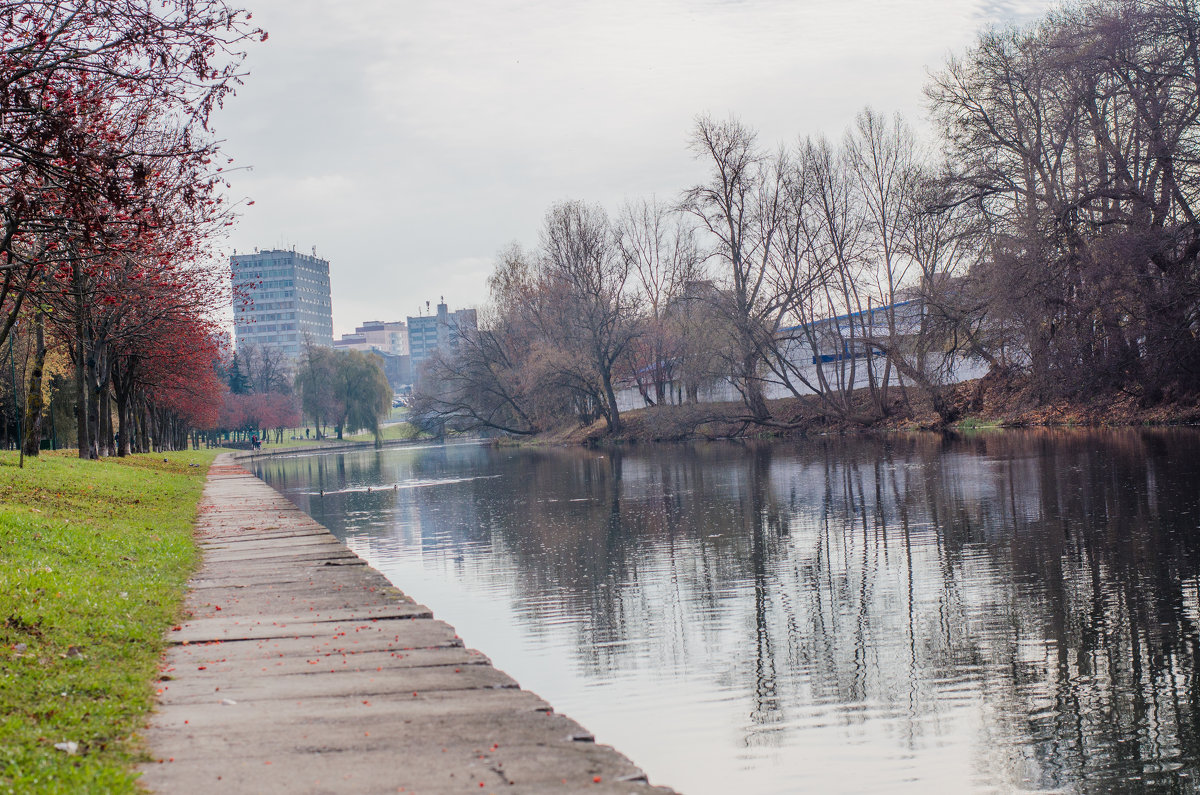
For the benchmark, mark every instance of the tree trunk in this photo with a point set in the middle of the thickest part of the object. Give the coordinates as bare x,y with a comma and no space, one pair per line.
81,397
753,394
614,414
54,440
137,426
105,440
147,424
122,424
156,438
34,404
93,388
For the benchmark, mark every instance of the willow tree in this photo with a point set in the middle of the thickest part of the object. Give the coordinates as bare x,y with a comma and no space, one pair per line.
364,392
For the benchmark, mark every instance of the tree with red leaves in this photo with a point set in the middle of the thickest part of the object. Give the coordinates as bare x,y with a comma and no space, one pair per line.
177,389
109,178
99,103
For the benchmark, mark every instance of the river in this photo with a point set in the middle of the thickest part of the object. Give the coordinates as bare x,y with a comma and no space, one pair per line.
1002,611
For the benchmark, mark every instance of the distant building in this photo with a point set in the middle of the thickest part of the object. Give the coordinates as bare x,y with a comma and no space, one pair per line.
224,343
427,334
388,341
281,297
352,342
376,335
824,354
398,370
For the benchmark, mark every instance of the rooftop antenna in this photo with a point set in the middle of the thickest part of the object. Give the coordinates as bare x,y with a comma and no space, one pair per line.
426,306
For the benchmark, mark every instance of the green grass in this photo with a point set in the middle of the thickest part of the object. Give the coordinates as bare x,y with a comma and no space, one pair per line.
391,432
94,556
976,424
394,428
288,441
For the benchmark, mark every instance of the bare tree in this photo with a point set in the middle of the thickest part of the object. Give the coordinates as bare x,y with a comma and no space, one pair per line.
841,244
1077,140
548,346
479,385
485,382
833,226
660,250
945,315
267,368
882,157
591,304
741,207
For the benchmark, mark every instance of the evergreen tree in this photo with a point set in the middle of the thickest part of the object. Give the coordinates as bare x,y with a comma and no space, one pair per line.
239,384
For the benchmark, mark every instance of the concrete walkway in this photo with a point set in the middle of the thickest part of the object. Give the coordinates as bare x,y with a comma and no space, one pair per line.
303,670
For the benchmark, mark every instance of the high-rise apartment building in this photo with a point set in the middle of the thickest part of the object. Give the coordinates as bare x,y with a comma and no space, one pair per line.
284,298
427,334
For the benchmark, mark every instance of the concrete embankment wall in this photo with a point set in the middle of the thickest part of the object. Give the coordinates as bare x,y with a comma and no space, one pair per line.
302,669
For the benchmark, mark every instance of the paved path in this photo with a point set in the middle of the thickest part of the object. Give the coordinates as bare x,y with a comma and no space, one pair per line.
303,670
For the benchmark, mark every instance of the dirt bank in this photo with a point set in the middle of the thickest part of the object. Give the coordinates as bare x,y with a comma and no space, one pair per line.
1011,401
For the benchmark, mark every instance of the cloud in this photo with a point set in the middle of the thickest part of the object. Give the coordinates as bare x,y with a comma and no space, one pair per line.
1007,12
411,141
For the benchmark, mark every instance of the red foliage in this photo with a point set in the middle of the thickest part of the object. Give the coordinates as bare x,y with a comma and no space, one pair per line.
110,194
104,111
179,374
254,412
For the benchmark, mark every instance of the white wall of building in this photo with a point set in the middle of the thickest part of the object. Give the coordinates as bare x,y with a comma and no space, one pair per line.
723,390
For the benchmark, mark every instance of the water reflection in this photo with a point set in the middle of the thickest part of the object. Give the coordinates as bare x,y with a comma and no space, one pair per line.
998,612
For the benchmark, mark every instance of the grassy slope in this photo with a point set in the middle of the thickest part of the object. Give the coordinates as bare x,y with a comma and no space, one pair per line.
391,432
93,555
997,401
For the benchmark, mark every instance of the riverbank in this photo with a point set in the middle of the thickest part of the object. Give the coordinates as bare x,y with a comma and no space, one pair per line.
329,446
1002,402
302,669
391,431
93,560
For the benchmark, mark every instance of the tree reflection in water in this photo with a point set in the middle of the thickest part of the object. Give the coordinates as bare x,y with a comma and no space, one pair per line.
1044,582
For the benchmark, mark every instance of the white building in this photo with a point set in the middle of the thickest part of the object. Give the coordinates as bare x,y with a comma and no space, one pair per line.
280,299
376,335
826,355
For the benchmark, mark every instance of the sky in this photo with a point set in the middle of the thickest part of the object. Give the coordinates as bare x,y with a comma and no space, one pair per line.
409,142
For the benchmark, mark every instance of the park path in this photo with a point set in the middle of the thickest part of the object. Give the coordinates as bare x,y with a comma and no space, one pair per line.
302,669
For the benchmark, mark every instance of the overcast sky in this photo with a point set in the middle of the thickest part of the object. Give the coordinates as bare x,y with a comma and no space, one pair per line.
410,141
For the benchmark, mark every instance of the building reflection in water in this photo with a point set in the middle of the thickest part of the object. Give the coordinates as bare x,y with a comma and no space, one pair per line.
1002,611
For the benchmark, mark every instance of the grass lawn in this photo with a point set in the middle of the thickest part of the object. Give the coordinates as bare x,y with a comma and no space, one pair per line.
288,441
390,432
94,556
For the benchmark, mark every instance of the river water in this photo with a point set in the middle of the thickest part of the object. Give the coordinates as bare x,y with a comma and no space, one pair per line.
997,612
